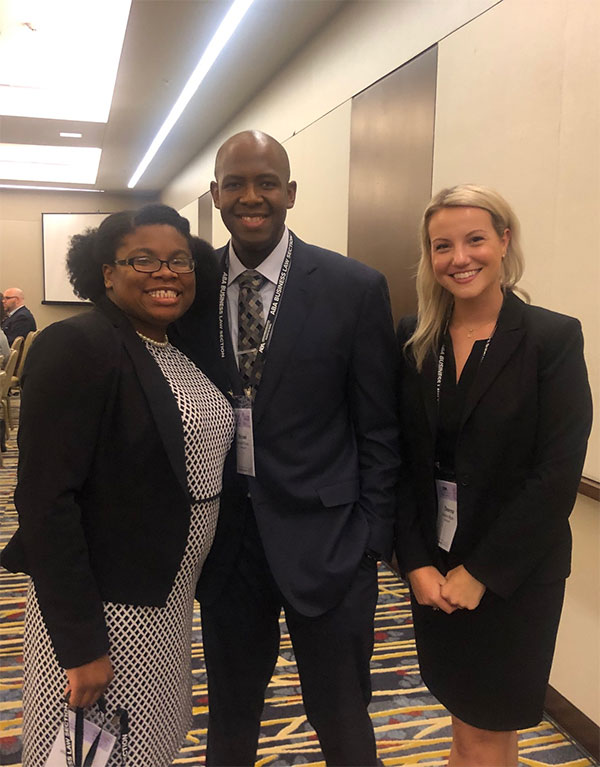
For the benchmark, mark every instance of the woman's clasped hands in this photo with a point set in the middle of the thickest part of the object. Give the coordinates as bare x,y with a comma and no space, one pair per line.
457,590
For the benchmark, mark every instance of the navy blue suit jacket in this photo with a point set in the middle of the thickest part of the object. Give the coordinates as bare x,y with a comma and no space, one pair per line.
325,430
19,324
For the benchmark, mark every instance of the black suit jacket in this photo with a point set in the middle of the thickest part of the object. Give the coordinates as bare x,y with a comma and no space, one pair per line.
519,452
19,324
325,430
102,492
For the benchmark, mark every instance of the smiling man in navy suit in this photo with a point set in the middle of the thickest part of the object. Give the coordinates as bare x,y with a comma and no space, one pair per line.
308,501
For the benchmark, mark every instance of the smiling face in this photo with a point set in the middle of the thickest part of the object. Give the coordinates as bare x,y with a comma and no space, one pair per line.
467,252
151,300
253,192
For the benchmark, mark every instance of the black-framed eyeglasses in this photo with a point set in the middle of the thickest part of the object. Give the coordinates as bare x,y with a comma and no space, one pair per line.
179,264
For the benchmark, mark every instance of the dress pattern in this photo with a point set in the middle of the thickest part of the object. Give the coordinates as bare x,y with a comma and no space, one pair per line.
150,647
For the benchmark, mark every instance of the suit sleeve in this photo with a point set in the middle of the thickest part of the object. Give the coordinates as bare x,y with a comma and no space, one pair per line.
373,402
525,530
65,388
410,545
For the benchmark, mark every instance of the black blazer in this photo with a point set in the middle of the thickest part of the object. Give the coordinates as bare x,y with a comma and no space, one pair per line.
102,491
519,452
325,430
19,324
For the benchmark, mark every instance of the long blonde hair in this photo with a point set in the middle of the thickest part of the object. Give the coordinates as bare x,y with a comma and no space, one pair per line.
434,302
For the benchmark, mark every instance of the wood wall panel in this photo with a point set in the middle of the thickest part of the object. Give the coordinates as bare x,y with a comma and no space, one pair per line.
391,166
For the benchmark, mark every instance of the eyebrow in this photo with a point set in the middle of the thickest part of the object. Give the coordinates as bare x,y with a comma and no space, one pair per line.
150,252
468,234
241,177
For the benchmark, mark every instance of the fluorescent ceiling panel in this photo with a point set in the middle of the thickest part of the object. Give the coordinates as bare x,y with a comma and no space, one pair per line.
59,58
64,164
227,27
49,188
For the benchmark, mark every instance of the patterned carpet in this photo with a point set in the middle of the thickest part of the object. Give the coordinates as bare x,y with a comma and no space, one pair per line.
412,728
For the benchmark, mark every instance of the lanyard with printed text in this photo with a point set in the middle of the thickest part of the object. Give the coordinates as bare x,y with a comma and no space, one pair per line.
441,360
269,321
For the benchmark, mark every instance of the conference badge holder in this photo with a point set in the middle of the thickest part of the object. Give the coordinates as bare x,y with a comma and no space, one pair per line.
447,519
244,436
81,743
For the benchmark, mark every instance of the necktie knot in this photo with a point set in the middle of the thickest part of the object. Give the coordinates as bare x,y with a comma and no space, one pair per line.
251,280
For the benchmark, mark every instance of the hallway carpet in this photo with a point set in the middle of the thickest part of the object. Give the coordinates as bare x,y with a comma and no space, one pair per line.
412,728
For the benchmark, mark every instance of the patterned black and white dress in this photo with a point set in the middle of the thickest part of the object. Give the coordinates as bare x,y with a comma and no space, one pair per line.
150,647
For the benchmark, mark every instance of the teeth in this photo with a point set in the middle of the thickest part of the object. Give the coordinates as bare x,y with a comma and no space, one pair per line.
464,275
251,218
163,293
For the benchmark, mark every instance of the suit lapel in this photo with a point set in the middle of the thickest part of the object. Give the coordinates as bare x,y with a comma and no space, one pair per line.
158,393
293,311
508,335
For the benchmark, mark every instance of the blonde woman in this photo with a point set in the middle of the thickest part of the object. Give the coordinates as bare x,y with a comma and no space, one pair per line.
496,413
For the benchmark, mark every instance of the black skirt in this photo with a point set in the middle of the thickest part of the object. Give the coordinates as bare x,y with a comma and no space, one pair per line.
490,666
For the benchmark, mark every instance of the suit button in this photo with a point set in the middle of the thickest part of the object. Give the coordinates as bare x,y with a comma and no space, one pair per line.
465,479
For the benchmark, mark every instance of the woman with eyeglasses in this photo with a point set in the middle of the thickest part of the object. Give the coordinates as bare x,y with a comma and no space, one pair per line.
122,442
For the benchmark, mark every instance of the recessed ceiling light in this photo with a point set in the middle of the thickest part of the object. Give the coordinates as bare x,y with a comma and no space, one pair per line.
65,164
227,27
59,59
71,135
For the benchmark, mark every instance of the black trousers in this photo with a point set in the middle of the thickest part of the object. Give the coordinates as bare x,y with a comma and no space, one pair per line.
241,644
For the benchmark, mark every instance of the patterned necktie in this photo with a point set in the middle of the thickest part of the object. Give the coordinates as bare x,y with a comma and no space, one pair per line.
251,323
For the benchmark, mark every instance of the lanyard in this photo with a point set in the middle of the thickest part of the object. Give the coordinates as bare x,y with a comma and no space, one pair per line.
73,754
271,316
442,358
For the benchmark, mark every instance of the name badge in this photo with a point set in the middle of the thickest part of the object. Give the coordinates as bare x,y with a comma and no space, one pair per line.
244,438
58,756
447,518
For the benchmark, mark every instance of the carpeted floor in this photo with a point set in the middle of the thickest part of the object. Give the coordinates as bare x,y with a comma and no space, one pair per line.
411,726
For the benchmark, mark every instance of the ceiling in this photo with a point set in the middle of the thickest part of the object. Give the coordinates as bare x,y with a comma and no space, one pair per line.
163,42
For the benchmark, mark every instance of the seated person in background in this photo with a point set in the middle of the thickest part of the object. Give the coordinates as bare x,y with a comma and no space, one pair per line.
121,448
18,320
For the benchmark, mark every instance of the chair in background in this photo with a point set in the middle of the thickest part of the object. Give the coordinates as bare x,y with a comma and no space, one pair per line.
17,344
16,378
5,383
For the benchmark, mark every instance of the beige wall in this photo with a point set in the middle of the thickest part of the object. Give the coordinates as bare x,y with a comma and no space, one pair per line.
525,120
365,41
21,240
576,669
190,211
517,108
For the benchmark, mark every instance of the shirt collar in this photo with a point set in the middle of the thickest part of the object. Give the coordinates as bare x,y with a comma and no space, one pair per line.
269,268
